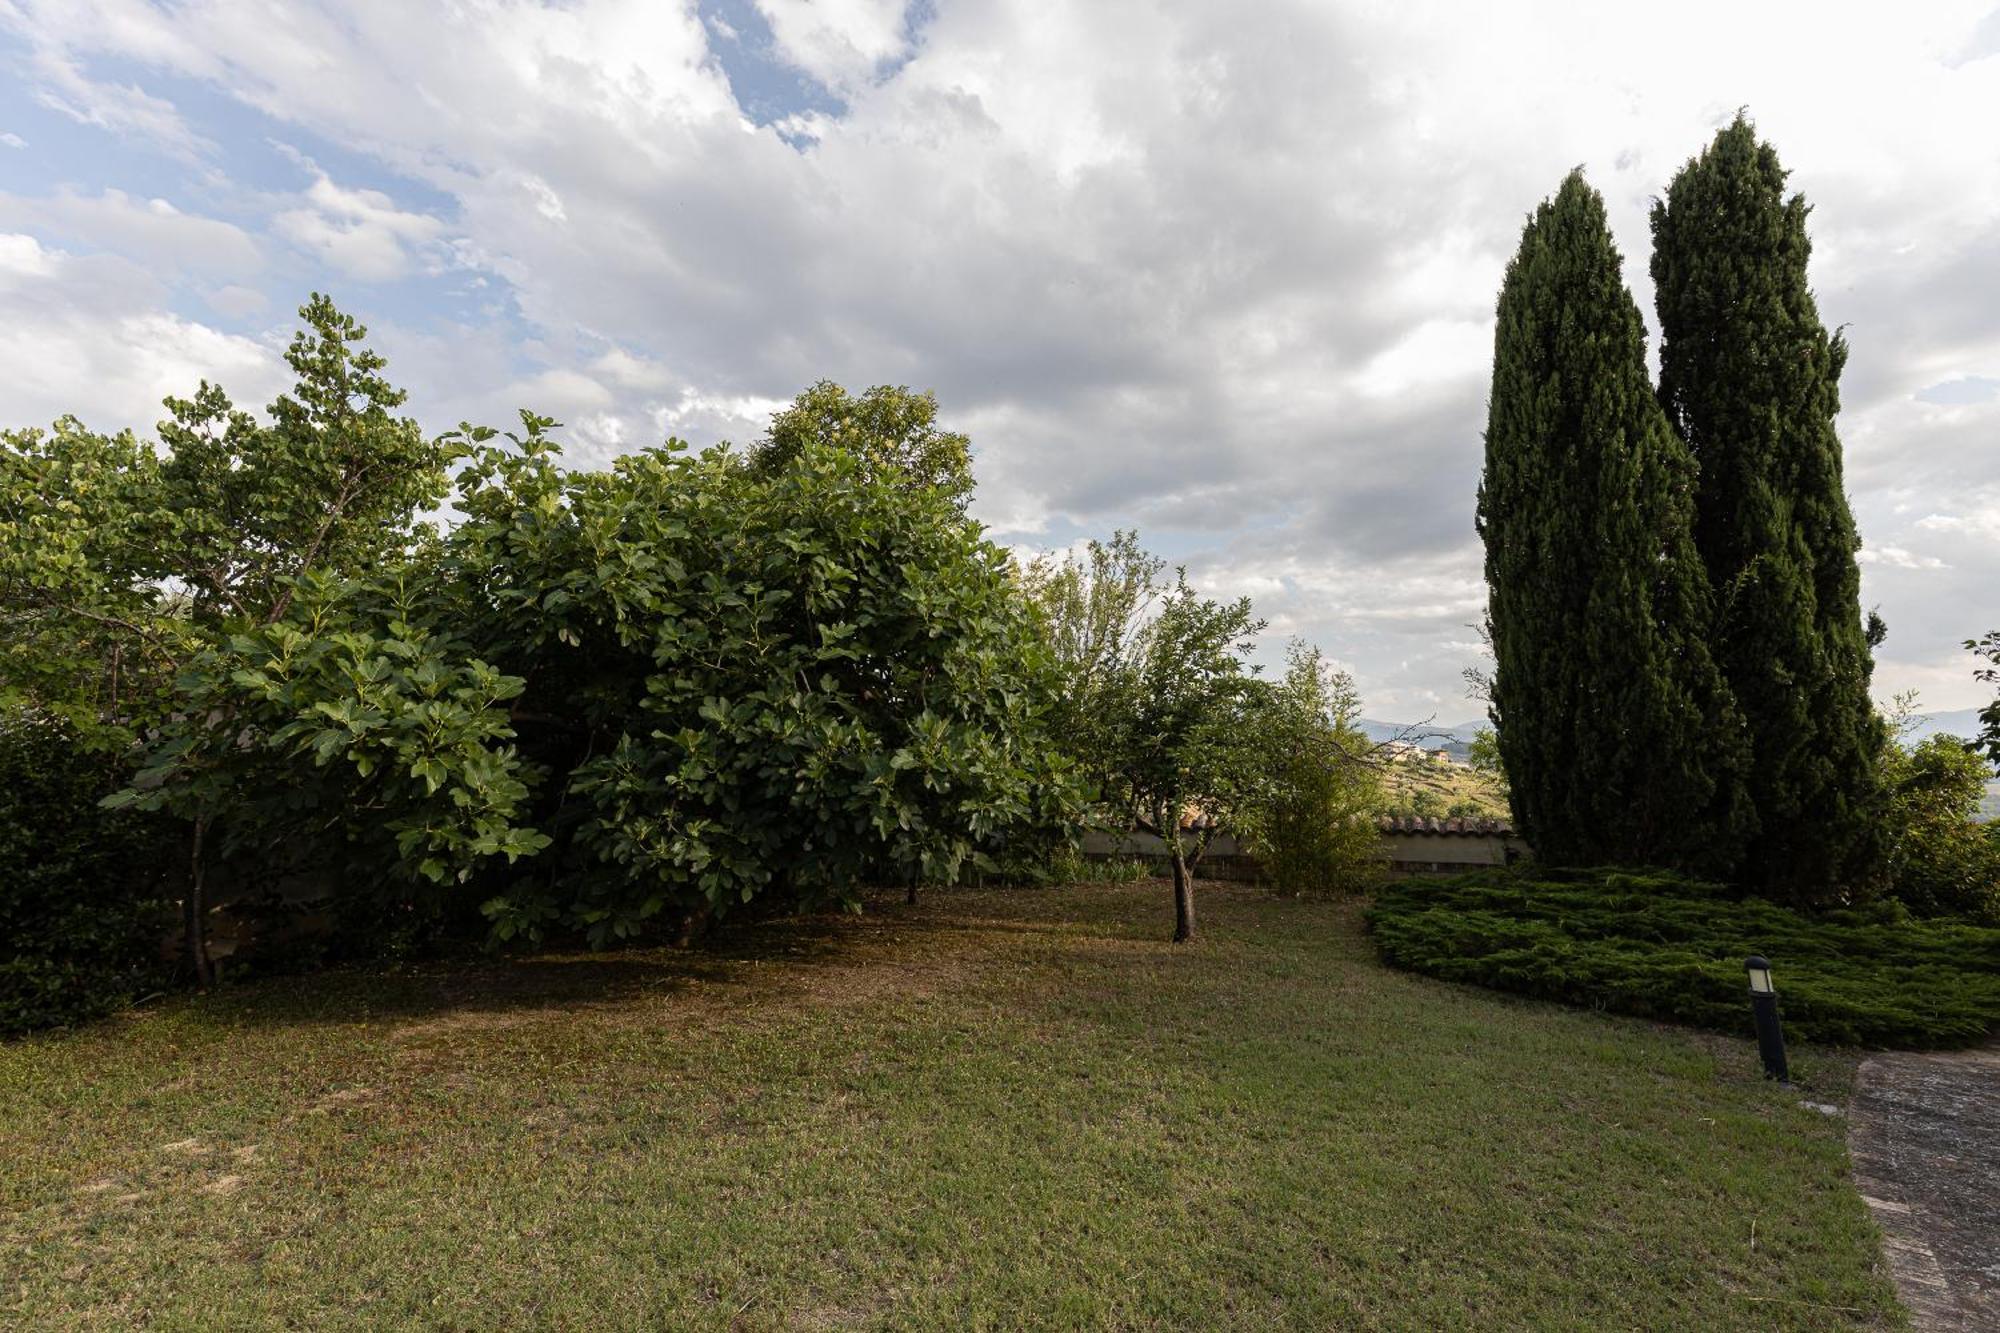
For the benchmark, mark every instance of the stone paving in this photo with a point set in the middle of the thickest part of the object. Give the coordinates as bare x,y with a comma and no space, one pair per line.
1925,1138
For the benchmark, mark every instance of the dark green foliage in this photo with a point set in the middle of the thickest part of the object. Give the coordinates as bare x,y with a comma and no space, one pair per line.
1750,379
1615,731
358,724
1940,862
82,910
678,684
747,682
1661,946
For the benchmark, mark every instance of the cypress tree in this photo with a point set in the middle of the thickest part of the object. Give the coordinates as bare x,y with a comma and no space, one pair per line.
1616,732
1750,380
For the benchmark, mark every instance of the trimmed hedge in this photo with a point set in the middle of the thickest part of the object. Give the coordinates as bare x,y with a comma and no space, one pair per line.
1656,945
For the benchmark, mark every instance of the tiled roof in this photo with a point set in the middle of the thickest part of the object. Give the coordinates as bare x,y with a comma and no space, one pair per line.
1469,828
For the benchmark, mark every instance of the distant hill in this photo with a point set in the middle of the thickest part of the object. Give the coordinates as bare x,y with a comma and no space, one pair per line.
1457,739
1383,731
1962,722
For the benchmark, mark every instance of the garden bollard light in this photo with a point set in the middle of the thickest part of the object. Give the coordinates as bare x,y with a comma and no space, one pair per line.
1764,1009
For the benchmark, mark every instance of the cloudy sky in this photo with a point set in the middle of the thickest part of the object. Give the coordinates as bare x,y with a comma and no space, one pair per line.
1222,272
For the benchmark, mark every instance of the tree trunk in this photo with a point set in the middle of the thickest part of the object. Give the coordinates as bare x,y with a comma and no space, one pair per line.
912,898
1170,830
194,908
694,925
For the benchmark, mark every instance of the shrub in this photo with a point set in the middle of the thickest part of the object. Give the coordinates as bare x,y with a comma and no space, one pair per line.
81,904
845,689
1666,947
1940,862
1310,822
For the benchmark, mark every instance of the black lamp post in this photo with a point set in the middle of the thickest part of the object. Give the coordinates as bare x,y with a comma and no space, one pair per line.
1764,1009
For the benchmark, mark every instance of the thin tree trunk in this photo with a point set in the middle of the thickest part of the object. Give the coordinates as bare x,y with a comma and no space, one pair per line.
195,908
694,925
1170,830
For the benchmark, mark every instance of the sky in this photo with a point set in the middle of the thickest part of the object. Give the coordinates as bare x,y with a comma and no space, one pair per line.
1223,273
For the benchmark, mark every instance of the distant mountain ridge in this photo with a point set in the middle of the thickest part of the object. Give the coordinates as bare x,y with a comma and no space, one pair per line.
1960,722
1457,739
1419,732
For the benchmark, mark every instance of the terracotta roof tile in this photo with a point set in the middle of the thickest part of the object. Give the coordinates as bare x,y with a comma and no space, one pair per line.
1467,828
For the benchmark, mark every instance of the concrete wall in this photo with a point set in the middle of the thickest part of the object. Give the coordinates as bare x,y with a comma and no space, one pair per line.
1225,858
1449,853
1099,843
1406,853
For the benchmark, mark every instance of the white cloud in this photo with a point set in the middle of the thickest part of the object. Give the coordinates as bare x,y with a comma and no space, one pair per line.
1898,557
1226,271
12,140
89,334
1978,519
359,232
839,42
23,257
237,301
707,419
122,108
632,372
150,231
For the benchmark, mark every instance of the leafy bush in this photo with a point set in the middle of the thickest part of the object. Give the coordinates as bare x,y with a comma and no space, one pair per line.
1310,821
782,681
81,903
1666,947
1940,861
678,685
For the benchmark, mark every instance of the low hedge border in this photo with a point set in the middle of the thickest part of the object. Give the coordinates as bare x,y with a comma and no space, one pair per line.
1661,946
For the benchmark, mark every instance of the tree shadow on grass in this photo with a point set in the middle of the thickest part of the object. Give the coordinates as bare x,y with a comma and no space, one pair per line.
733,964
740,961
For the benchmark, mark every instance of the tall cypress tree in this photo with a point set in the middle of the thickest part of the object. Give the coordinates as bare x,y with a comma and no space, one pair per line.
1615,729
1750,379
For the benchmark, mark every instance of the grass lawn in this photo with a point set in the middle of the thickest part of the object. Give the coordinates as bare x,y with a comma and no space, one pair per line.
999,1109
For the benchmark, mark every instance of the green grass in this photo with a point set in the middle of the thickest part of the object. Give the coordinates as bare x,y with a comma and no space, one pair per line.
996,1110
1660,946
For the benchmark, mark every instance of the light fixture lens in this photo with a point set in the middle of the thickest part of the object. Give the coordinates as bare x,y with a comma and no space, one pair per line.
1760,976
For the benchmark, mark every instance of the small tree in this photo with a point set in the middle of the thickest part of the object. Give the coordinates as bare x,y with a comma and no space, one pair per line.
1184,744
124,565
1940,862
1313,821
1483,754
1096,613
